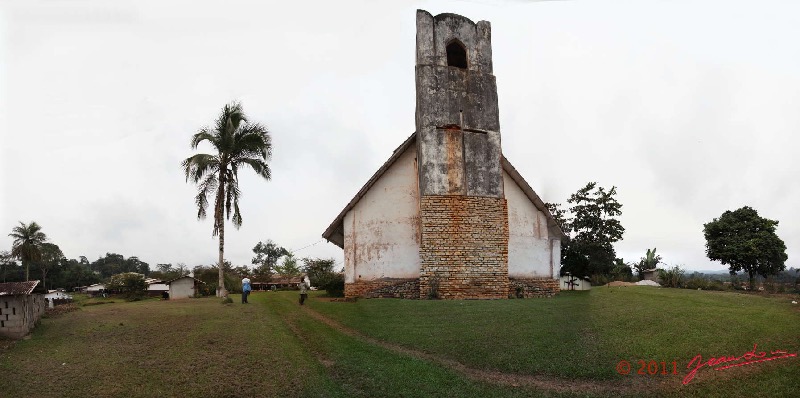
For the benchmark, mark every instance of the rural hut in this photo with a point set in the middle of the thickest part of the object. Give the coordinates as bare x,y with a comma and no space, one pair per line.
20,308
183,287
447,215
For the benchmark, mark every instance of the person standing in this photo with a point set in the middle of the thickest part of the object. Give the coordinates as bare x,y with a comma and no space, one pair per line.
245,289
303,289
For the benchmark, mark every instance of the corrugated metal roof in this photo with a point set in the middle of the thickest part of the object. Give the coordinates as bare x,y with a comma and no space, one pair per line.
17,288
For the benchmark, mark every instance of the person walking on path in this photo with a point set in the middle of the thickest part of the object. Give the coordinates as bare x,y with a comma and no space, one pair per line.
245,289
303,289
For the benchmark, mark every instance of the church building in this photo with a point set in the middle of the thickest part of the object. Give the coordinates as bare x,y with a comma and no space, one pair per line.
447,216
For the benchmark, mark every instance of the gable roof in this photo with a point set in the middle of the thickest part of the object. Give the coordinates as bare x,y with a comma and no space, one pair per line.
17,288
181,277
335,232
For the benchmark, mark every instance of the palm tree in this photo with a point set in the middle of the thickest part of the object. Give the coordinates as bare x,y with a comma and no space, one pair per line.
238,143
28,241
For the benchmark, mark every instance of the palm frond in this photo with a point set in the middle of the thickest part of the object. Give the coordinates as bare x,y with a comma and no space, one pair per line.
204,135
259,166
197,166
232,192
237,216
253,140
201,200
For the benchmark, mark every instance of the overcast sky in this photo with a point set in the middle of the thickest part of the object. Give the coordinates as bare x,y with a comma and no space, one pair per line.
689,108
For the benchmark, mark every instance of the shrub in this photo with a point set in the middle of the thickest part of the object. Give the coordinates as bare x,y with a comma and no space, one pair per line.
715,285
696,283
334,285
599,279
672,277
130,284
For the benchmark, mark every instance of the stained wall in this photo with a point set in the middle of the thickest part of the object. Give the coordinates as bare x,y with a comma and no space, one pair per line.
381,232
531,251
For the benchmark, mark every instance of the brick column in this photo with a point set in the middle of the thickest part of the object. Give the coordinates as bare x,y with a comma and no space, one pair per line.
464,247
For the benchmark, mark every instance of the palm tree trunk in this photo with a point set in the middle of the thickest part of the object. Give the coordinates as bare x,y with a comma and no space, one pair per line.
219,217
221,292
26,271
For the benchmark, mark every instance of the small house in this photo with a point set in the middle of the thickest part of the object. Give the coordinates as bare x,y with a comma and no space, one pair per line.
651,275
183,287
96,289
156,287
56,297
571,282
20,308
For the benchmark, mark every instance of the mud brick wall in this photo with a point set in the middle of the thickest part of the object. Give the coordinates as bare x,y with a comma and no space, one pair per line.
386,288
464,247
19,314
533,287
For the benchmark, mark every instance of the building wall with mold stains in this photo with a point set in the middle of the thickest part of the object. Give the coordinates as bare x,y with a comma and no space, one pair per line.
381,233
530,248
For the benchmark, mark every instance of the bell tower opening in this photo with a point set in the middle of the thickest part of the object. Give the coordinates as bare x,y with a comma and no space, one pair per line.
456,54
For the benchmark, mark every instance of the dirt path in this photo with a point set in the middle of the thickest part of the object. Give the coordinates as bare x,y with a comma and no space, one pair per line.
550,383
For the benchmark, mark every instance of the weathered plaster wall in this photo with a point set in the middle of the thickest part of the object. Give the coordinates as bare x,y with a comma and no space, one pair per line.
457,117
382,230
529,246
181,289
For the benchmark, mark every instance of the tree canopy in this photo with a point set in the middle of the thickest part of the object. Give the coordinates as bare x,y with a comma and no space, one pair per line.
237,144
592,230
27,246
267,255
744,241
288,268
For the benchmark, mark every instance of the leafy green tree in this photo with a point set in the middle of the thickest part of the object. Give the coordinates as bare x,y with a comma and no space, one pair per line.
242,271
169,272
27,246
649,261
130,284
319,270
621,271
237,144
210,275
133,264
592,230
50,259
744,241
110,264
8,267
267,255
73,273
288,268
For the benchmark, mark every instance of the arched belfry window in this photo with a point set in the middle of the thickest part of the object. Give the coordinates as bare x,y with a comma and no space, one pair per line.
456,54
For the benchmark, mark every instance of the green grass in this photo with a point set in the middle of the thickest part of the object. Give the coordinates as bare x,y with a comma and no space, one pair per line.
404,348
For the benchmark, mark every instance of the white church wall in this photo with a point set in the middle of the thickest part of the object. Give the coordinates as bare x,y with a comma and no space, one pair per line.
529,247
381,233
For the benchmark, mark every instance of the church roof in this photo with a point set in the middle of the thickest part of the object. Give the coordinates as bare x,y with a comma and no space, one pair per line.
335,231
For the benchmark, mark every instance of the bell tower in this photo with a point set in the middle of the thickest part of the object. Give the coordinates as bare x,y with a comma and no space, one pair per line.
464,215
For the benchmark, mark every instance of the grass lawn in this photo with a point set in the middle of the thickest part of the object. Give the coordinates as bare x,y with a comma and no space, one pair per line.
565,346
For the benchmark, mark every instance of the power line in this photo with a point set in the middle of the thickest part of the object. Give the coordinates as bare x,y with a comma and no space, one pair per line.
306,247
